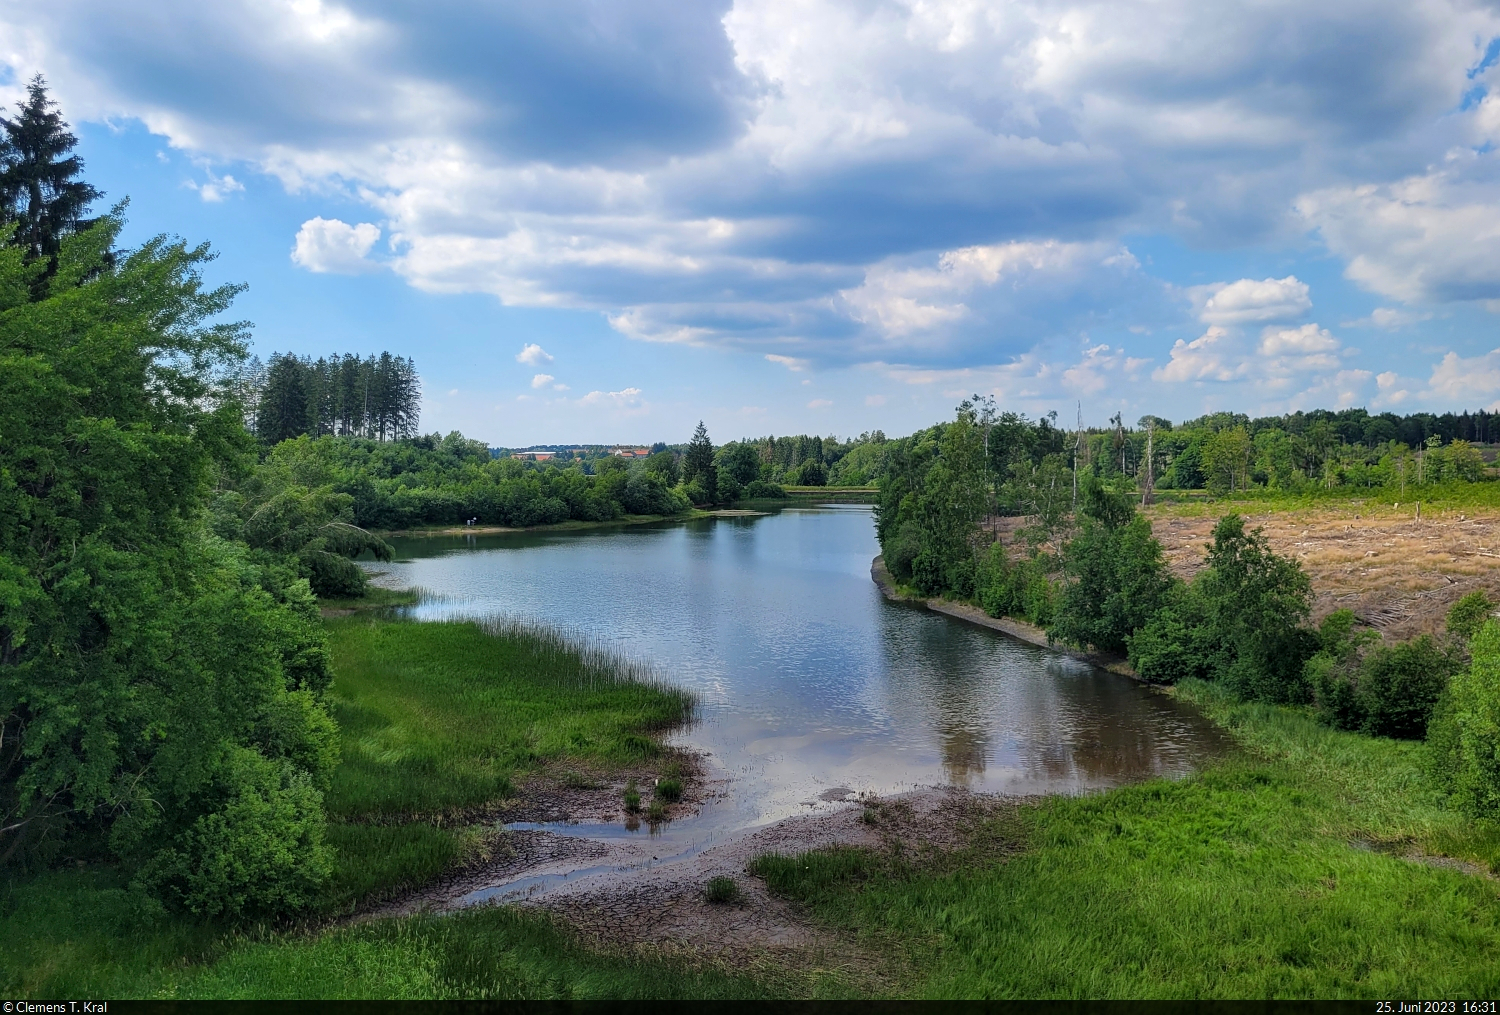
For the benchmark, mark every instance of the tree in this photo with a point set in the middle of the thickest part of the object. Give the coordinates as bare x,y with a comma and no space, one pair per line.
1255,603
1464,736
1116,577
698,464
158,688
282,413
39,188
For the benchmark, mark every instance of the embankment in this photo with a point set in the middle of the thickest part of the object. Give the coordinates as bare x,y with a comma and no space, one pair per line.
1018,629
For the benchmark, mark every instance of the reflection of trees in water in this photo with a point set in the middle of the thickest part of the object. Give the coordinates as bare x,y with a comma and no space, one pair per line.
1064,722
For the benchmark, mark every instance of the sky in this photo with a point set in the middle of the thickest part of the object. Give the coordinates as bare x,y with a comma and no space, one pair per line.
599,221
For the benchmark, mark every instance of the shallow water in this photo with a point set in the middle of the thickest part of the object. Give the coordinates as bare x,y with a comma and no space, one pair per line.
810,682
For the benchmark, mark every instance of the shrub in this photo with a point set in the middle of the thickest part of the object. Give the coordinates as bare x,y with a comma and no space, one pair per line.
1464,735
669,790
632,797
1116,580
257,851
1172,645
1468,615
761,490
1254,603
901,551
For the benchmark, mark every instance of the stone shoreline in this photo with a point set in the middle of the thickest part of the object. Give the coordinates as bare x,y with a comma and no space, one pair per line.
1018,629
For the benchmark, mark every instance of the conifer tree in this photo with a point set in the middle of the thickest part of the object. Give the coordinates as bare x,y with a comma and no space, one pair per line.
698,463
39,186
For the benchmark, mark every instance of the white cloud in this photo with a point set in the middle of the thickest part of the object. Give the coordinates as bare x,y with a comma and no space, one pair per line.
533,355
542,380
1210,357
792,363
629,398
1250,302
1426,239
1466,381
1388,319
217,187
335,247
1100,369
819,403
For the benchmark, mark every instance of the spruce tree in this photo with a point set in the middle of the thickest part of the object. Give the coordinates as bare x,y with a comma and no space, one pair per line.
698,463
39,186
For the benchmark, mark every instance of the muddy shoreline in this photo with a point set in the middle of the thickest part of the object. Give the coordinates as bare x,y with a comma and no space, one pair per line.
1018,629
634,893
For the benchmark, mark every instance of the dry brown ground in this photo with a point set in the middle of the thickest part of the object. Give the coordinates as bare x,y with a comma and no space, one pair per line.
1397,573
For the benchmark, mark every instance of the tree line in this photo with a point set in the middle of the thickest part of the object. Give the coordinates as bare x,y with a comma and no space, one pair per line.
1085,567
378,397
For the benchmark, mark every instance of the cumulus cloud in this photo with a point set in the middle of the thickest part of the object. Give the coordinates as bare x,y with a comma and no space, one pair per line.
1433,238
335,247
542,380
936,184
1460,380
533,355
1248,301
1281,362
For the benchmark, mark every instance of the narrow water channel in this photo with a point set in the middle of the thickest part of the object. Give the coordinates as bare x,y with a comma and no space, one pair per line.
810,682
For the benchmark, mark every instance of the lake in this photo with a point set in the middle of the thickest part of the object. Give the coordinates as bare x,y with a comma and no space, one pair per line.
811,683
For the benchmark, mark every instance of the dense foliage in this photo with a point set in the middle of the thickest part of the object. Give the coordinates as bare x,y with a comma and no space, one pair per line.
161,688
375,484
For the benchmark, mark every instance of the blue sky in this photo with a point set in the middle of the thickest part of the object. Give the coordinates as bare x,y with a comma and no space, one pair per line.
602,221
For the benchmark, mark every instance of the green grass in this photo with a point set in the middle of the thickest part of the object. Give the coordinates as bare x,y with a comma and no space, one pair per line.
436,721
443,717
1434,497
1248,880
84,934
375,598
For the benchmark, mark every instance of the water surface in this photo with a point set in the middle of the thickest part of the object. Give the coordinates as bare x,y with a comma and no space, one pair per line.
810,682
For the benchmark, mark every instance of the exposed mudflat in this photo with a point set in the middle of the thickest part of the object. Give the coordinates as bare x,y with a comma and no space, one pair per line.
624,892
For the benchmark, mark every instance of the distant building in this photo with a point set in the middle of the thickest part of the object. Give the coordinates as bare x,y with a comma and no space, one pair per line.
534,456
630,452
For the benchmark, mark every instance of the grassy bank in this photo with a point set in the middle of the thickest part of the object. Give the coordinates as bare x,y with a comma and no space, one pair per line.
438,722
1282,872
441,529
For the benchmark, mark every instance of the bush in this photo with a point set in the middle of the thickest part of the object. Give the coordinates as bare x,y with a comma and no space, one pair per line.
812,473
258,850
1468,615
669,790
761,490
1116,579
1254,603
728,488
902,550
1386,690
1464,735
1172,645
696,494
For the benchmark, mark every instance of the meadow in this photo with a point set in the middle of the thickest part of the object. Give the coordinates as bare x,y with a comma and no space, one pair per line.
1312,863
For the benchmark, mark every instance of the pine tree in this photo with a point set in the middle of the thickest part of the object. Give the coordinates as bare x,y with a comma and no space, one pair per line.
698,463
282,412
39,189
